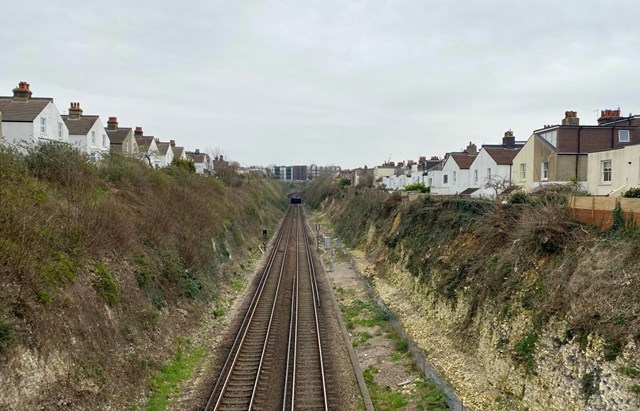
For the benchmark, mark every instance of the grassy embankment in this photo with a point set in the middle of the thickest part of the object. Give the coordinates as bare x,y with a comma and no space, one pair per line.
525,257
102,268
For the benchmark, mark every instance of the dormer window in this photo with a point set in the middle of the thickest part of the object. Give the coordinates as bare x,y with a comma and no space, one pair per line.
623,136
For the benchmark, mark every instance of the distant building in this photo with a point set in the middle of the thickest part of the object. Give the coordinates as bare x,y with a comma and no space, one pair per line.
121,140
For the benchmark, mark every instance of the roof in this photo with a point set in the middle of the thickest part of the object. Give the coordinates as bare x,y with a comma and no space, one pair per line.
502,156
118,136
469,191
463,160
177,151
163,148
197,158
22,111
144,142
79,126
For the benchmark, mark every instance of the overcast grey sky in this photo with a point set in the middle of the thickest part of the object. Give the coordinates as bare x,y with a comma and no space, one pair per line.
327,81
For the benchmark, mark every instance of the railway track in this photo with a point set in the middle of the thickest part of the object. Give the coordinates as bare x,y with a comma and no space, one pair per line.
276,360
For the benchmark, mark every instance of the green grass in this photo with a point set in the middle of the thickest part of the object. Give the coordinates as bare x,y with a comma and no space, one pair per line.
166,382
383,398
237,285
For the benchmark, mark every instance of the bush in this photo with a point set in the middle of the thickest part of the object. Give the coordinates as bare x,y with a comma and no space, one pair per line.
588,384
184,164
519,197
525,349
633,192
417,187
59,163
106,284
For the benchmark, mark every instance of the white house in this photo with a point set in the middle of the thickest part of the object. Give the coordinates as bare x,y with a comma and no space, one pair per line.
490,172
165,153
86,133
147,148
454,177
178,152
28,120
612,172
202,161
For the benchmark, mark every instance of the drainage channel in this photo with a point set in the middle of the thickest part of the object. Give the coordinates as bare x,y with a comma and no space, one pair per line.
454,402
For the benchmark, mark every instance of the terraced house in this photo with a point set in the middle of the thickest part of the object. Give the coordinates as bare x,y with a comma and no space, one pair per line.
559,153
27,120
86,133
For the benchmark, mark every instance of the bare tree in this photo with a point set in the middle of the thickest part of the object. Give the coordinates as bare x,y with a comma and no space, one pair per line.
498,184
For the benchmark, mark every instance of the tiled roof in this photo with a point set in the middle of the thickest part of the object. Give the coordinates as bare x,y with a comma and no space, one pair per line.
177,151
163,148
22,111
118,136
469,191
79,126
463,160
197,158
501,155
144,142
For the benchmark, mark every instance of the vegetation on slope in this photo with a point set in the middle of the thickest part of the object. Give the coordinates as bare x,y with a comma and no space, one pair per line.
101,266
505,258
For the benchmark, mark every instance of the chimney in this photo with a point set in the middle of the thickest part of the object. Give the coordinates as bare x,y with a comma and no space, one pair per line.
197,151
508,141
571,119
157,140
138,132
435,158
75,112
112,124
22,92
472,149
172,142
609,115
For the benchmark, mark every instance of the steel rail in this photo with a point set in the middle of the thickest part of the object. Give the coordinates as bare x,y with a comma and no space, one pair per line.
225,373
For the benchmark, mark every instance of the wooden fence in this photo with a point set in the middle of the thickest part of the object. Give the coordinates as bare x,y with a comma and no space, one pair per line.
599,210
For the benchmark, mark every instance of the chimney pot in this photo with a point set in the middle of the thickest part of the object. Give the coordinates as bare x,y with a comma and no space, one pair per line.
112,124
22,92
172,142
138,132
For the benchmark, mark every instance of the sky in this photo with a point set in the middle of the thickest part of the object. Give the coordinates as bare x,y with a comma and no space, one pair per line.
329,82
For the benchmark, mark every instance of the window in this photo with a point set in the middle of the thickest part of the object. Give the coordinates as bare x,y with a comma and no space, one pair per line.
523,171
445,179
43,125
93,138
104,140
430,180
623,136
475,176
606,171
488,173
60,130
544,171
454,176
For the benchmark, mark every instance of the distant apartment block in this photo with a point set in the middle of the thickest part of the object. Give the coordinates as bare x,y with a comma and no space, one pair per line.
302,172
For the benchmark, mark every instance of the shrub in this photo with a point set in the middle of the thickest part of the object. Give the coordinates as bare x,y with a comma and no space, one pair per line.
59,163
418,186
106,284
184,164
525,348
588,384
519,197
633,192
344,182
618,218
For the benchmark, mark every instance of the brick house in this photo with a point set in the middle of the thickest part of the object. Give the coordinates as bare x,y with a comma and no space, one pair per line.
558,153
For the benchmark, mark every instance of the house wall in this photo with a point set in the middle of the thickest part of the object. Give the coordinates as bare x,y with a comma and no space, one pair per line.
461,182
625,171
14,133
53,118
482,163
84,142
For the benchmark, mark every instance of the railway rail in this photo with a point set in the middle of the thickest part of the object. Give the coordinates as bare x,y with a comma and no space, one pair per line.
276,360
